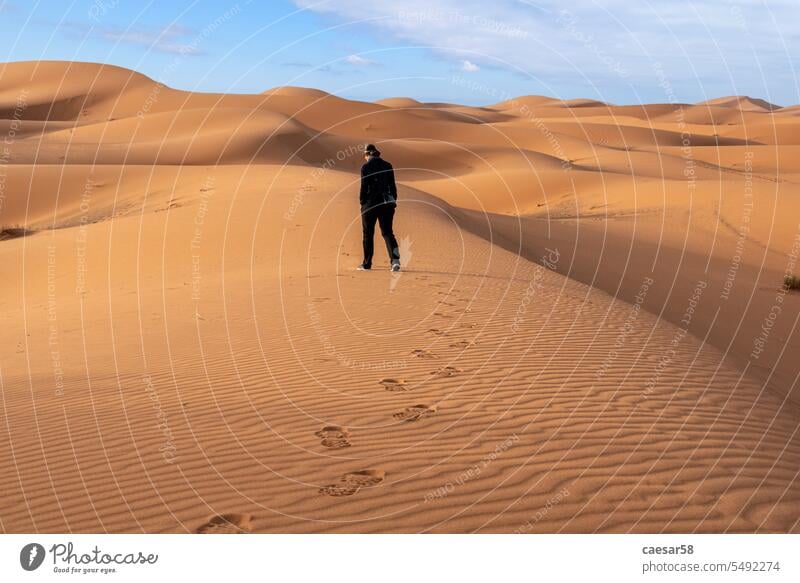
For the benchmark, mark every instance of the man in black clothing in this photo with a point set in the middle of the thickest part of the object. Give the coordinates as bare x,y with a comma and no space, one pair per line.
378,201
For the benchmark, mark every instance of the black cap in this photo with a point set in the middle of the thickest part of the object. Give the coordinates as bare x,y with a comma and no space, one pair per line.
372,150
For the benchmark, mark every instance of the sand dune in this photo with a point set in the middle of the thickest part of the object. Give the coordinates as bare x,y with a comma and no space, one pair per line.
589,334
743,103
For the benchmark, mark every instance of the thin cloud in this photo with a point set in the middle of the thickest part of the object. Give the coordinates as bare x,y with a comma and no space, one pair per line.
359,61
308,66
168,39
171,39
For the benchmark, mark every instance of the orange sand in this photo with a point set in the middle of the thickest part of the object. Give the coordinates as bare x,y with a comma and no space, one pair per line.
577,342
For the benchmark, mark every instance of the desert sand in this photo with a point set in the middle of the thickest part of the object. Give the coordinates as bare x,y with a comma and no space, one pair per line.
590,332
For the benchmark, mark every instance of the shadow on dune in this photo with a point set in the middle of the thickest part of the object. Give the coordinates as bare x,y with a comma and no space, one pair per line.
613,256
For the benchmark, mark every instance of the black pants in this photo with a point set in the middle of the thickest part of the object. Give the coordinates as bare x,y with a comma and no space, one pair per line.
383,215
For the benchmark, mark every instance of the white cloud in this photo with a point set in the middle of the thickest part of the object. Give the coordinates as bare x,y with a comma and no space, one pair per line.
469,66
705,47
359,61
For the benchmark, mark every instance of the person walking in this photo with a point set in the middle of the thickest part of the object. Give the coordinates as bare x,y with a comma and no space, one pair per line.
378,198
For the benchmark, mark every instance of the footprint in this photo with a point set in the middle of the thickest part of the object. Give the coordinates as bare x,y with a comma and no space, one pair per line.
339,490
226,524
365,477
351,483
463,344
415,413
437,332
446,371
420,353
442,315
466,325
334,437
394,385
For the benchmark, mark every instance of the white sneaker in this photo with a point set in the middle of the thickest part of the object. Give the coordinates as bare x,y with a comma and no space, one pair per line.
395,267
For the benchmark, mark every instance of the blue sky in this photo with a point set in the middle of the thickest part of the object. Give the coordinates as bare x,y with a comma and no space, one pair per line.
467,51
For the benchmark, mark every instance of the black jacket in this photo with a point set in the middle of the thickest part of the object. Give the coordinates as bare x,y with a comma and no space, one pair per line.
377,184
